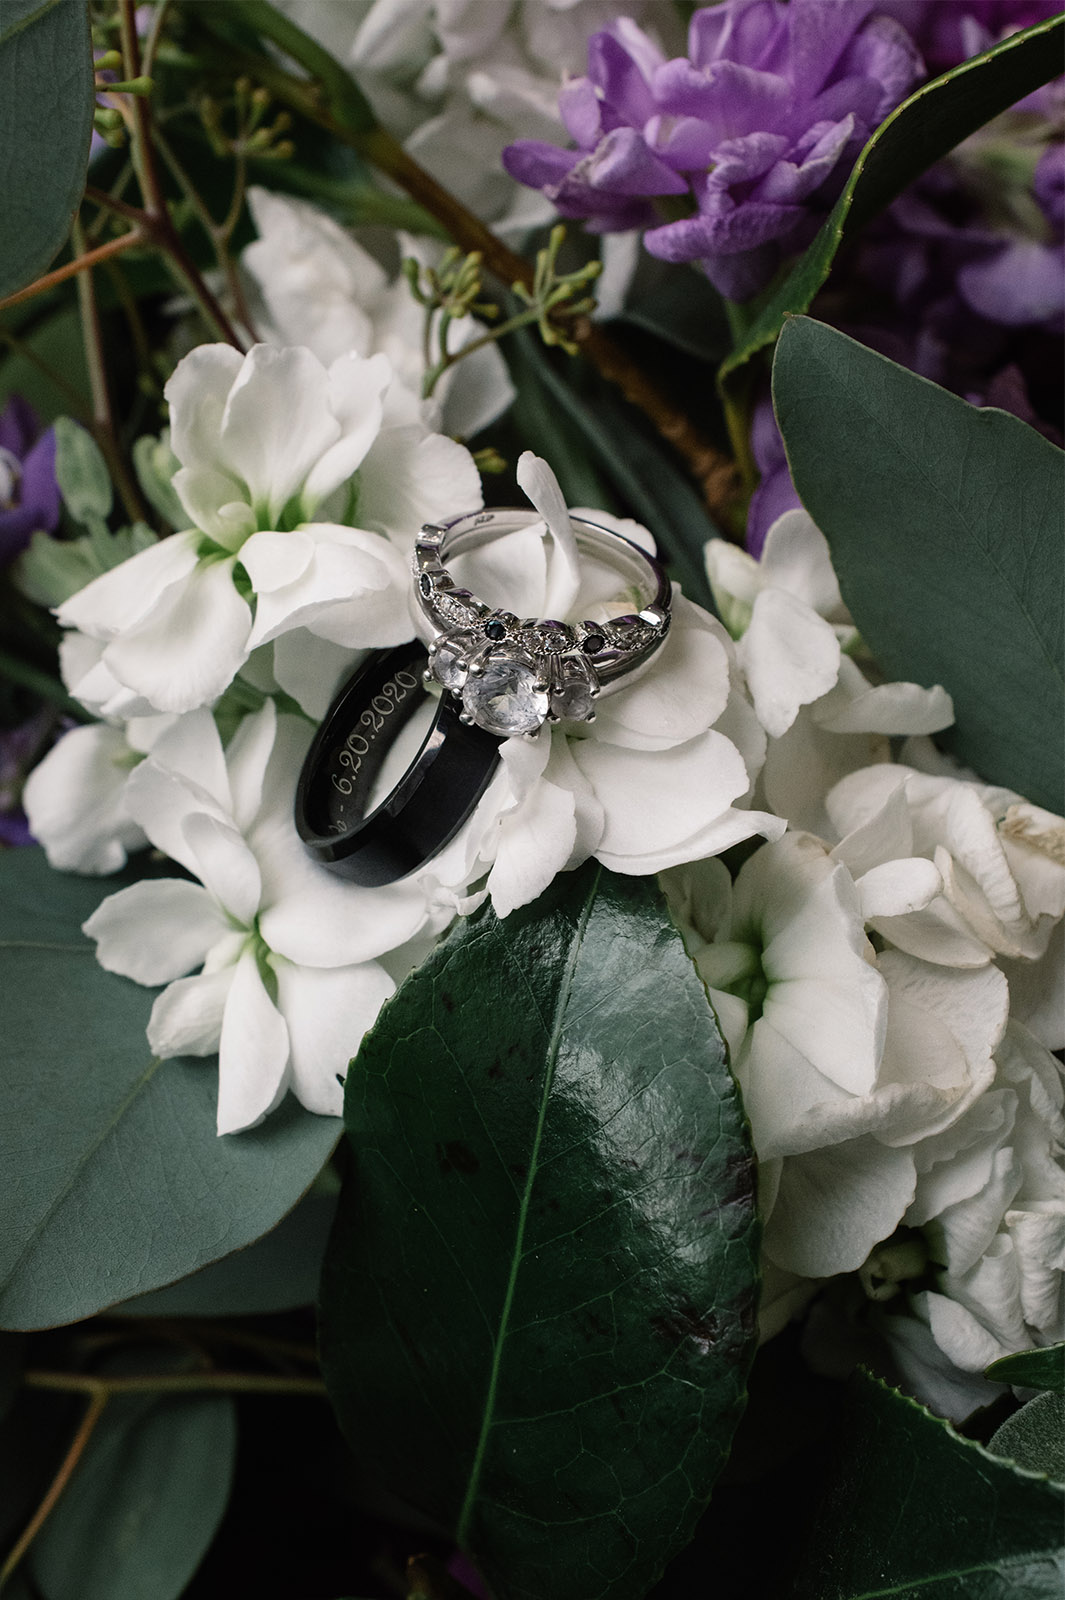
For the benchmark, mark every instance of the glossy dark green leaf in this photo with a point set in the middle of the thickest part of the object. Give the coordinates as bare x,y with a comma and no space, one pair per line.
537,1305
46,114
914,1511
923,129
112,1178
277,1273
144,1502
944,523
1034,1437
1032,1369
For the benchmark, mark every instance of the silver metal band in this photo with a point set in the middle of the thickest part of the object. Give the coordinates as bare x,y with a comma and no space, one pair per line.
511,673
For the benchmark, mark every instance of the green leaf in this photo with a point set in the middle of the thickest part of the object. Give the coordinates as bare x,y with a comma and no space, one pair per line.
1032,1369
538,1299
112,1178
46,113
81,472
944,523
914,1511
48,367
50,570
277,1273
1034,1437
144,1502
918,133
155,464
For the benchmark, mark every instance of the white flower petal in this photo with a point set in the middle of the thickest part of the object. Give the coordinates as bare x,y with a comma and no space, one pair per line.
189,649
1038,1232
311,669
539,484
75,802
407,480
885,835
225,866
156,930
683,694
191,748
327,1012
974,1004
790,657
350,579
274,560
964,1341
509,573
898,887
216,502
834,1205
253,1051
276,425
535,842
186,1018
1037,992
893,708
121,598
356,387
684,789
334,924
196,392
796,557
247,760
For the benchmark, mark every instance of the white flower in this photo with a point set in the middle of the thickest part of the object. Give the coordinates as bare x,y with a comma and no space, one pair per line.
824,717
460,79
321,289
952,870
290,975
668,747
267,441
845,1060
990,1203
75,799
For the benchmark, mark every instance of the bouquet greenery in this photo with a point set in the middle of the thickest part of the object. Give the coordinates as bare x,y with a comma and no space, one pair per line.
532,881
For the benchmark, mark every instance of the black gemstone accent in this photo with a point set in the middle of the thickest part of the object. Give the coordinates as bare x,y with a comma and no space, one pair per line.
495,629
425,584
592,643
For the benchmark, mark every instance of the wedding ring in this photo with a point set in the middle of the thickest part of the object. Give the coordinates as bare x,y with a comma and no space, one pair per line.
431,801
513,674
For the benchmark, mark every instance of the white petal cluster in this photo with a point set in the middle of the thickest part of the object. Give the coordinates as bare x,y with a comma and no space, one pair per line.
680,744
289,975
460,79
889,979
320,288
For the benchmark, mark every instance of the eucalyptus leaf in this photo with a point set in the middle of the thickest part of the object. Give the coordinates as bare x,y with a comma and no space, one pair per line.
538,1299
46,113
944,523
50,570
1034,1437
278,1272
81,472
144,1502
915,1511
155,464
1032,1369
112,1178
917,134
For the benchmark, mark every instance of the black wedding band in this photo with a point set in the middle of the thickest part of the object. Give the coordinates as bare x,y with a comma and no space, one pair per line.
430,803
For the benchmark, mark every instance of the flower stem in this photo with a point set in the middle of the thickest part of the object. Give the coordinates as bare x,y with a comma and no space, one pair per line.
332,100
173,1383
95,1410
102,415
70,269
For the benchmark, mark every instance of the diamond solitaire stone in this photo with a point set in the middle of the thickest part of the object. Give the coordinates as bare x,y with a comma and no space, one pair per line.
449,665
505,698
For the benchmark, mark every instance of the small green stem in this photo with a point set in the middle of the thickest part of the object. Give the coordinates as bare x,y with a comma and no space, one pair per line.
102,415
94,1412
173,1383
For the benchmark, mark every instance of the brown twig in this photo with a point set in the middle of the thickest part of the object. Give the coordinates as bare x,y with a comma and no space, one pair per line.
94,1411
70,269
320,99
103,422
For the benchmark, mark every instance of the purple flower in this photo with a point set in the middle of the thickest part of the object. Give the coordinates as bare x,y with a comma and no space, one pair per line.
29,494
756,128
21,748
948,32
